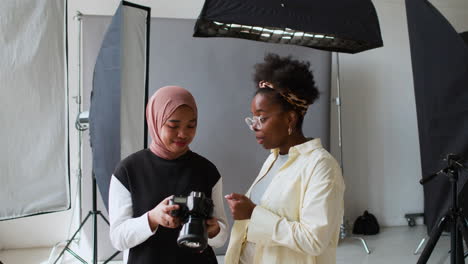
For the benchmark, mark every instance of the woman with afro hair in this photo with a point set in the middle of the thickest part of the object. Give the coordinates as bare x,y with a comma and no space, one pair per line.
292,212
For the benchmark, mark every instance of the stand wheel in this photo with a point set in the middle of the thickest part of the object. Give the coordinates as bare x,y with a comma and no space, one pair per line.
411,218
411,221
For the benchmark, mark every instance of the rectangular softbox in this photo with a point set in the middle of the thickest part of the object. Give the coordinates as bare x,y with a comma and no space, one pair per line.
120,91
440,70
34,177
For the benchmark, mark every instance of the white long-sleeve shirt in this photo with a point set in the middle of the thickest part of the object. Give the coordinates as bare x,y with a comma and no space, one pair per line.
127,232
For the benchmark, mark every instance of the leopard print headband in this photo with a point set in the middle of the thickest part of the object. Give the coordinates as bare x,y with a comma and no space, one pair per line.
300,104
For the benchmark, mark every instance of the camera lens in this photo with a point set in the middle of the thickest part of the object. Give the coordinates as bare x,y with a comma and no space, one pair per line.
193,210
190,244
193,234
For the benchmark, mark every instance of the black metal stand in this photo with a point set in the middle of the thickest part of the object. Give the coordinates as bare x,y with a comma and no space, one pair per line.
94,216
454,218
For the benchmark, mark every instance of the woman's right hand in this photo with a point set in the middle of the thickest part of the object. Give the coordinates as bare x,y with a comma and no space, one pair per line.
161,215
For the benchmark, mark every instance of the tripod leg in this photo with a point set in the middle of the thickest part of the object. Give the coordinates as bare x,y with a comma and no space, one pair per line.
104,218
73,237
111,257
463,228
462,225
454,245
460,257
364,244
76,256
434,237
117,252
421,243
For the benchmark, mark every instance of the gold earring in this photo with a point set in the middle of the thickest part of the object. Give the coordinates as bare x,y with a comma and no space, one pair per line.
289,131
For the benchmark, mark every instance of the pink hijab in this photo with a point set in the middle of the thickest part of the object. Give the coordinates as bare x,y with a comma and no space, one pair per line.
160,107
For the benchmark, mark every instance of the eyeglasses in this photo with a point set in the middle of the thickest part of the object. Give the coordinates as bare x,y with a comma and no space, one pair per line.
256,122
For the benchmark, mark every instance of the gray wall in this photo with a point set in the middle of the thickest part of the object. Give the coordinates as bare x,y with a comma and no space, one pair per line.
219,74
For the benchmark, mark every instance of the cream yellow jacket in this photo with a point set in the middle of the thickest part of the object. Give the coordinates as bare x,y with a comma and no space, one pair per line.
299,216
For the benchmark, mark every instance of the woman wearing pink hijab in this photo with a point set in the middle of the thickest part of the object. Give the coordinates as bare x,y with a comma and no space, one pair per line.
143,183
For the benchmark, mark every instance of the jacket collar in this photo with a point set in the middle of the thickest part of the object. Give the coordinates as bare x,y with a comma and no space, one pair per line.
301,149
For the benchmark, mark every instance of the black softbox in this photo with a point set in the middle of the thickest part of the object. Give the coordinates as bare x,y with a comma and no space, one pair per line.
440,70
349,26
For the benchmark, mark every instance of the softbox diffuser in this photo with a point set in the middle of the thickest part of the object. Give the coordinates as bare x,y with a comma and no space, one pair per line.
120,92
349,26
34,175
440,72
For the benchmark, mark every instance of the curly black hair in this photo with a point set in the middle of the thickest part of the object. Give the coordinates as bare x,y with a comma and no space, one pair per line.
286,75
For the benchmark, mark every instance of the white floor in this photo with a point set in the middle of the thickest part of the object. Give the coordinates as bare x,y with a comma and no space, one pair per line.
393,245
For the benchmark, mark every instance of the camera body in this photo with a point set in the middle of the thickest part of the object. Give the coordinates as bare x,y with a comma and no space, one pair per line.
193,210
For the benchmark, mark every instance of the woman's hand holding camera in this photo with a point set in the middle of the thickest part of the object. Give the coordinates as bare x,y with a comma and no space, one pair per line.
212,227
161,215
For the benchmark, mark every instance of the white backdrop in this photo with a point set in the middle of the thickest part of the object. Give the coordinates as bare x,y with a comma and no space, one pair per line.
34,142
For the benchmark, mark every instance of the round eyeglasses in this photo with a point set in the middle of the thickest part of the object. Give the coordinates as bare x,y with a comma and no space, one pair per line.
255,122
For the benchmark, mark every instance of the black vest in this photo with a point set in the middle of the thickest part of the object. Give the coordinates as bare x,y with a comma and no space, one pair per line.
150,179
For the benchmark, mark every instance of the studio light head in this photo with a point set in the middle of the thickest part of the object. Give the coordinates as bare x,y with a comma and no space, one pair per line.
82,121
454,161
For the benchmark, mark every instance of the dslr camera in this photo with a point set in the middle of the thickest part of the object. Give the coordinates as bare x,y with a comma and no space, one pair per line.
193,211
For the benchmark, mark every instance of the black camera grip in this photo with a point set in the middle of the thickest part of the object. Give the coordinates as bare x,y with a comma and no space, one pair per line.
173,213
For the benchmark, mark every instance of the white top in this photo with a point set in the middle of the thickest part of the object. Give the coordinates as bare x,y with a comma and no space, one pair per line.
248,253
127,232
259,188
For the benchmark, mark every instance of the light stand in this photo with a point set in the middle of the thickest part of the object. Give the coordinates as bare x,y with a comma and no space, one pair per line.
93,214
454,218
343,232
81,125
